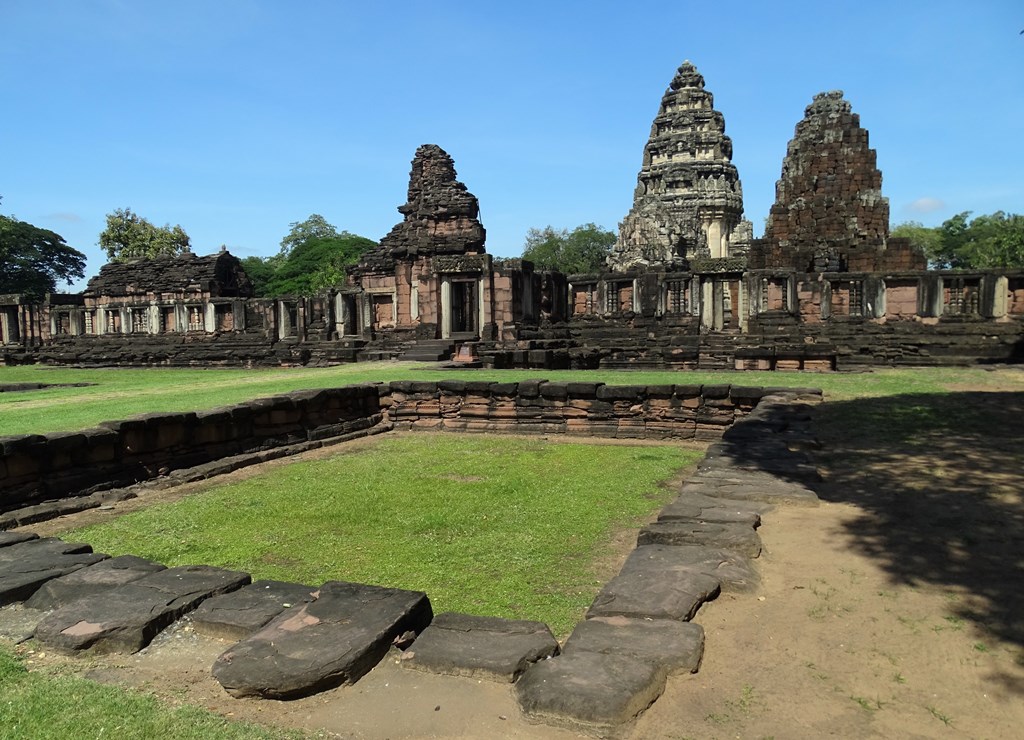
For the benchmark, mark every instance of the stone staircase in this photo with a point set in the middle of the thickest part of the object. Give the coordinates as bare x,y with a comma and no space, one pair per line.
717,351
429,350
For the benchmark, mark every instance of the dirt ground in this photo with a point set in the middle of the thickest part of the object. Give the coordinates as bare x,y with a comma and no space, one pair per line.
894,609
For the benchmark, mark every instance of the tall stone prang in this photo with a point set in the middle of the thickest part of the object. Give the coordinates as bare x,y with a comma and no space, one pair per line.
829,213
440,215
688,200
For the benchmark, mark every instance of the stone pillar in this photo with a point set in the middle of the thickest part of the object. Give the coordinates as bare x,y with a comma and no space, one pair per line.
929,296
366,304
414,298
154,319
209,318
446,307
874,297
707,303
994,292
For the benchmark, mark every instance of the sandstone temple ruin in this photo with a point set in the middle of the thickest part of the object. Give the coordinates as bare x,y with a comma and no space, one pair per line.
686,285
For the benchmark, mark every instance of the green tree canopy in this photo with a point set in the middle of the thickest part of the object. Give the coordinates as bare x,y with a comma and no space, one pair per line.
582,250
313,257
992,241
34,260
129,236
314,227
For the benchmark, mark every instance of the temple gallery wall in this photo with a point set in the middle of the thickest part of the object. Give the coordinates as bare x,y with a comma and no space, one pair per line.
686,284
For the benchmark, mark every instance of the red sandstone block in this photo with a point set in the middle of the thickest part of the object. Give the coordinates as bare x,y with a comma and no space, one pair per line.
475,410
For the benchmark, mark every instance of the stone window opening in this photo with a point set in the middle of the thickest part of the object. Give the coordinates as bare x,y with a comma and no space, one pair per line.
140,320
113,321
585,300
676,298
89,322
196,321
960,296
224,317
168,321
62,324
619,297
774,294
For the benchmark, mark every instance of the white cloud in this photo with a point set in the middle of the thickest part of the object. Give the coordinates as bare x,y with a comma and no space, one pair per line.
926,205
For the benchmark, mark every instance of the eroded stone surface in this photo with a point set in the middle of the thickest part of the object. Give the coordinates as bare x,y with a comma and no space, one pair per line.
739,538
697,507
13,538
126,618
334,639
589,690
27,565
485,647
648,593
238,614
676,646
733,571
97,578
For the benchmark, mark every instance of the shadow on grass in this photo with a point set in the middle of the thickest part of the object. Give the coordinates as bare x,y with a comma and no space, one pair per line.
940,480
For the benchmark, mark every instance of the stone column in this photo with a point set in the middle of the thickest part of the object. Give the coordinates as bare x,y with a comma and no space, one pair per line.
209,318
446,307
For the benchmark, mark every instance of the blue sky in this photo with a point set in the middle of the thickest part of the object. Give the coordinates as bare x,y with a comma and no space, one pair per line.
235,118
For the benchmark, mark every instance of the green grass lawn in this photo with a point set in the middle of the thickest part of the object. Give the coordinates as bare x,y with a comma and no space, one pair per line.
123,392
54,707
488,525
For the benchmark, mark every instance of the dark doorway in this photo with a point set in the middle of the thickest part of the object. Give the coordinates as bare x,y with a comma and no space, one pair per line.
464,307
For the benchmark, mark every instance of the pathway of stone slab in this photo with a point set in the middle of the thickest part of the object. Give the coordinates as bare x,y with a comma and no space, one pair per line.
292,640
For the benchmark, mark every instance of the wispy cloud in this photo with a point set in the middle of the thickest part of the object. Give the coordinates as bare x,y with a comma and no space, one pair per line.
71,218
926,205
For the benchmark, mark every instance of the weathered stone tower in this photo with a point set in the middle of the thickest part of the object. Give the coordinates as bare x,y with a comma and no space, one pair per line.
829,213
688,201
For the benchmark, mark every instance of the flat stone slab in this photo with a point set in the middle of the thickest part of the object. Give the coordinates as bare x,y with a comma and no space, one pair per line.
335,639
749,485
697,507
739,538
102,576
27,565
733,572
480,647
589,691
125,619
676,646
648,593
13,538
238,614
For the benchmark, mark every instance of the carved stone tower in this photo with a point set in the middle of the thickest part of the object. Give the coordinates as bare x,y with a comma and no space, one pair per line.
688,200
829,213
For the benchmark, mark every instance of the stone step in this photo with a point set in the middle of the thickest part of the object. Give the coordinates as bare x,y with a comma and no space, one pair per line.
103,576
238,614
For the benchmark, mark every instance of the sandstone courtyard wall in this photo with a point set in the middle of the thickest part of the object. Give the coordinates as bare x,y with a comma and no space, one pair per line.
38,468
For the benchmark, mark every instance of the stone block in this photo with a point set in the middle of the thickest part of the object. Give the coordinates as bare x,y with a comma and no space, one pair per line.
480,647
238,614
646,592
675,646
335,639
27,565
739,538
589,691
126,618
734,572
102,576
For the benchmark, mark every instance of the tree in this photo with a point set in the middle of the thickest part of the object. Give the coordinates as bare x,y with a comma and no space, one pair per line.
313,257
314,227
992,241
582,250
128,237
316,264
34,260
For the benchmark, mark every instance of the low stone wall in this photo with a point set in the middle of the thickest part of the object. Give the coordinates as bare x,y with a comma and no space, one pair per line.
38,468
35,468
590,409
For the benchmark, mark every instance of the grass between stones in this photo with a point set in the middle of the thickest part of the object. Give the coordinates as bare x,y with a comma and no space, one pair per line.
36,705
122,392
499,526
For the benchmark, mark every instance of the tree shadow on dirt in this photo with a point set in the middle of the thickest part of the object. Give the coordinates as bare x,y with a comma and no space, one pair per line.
940,480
